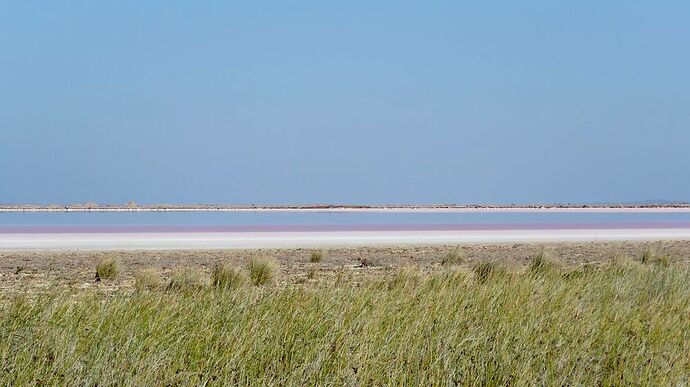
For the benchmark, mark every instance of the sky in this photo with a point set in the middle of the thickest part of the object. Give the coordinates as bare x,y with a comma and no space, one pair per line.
344,102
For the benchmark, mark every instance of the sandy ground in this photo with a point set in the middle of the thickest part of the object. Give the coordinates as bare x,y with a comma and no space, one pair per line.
35,271
317,239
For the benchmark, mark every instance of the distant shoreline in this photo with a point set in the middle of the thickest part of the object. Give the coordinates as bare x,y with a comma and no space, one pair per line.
681,207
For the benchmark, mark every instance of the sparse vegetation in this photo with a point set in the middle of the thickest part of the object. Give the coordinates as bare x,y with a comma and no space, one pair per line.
542,264
311,272
261,270
647,256
225,276
186,279
603,326
650,257
454,257
107,269
407,276
316,257
147,279
488,270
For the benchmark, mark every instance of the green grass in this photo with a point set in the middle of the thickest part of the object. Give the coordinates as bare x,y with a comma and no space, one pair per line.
107,269
226,276
311,272
147,279
261,270
454,257
316,257
618,324
542,264
489,270
186,279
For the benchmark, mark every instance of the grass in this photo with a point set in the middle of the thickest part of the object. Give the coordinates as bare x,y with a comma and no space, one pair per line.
454,257
261,270
620,323
186,279
107,269
542,264
311,272
316,257
489,270
147,279
650,257
225,276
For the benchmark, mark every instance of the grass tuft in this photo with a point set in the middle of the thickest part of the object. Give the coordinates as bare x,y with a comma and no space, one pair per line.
107,269
225,276
186,279
311,272
650,257
316,257
261,270
147,279
542,264
455,257
488,270
647,256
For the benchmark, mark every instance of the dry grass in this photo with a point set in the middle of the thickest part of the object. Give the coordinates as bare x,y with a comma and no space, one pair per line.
186,279
147,279
261,270
489,270
542,264
454,257
620,323
316,257
311,272
225,276
107,269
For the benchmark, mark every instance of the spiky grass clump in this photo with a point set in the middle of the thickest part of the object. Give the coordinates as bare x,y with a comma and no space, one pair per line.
186,279
455,257
261,270
147,279
489,270
542,264
647,256
225,276
650,257
316,257
311,272
107,269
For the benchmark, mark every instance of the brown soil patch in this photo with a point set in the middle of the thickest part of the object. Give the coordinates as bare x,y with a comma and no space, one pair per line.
75,270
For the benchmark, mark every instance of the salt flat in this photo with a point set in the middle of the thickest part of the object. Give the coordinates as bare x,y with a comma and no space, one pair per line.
307,239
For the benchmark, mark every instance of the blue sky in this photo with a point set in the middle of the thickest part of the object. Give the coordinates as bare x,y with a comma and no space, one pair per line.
344,102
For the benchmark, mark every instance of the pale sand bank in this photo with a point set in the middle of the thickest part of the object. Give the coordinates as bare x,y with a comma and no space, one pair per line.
315,239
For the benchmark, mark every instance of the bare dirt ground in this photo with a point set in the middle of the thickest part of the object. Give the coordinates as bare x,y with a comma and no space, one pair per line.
38,271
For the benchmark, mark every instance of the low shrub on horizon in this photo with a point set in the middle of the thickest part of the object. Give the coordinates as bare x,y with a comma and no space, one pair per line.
107,269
